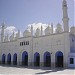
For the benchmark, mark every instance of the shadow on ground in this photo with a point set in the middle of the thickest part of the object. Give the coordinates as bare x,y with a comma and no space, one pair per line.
45,70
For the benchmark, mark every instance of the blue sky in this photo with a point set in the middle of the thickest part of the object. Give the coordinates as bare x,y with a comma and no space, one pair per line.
20,13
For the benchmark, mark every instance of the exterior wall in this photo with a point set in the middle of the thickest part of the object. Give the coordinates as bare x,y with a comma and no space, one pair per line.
0,53
41,44
23,48
62,41
72,43
72,51
14,47
52,44
71,55
9,47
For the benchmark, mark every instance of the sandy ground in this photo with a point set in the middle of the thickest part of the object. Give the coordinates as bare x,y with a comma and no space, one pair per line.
7,70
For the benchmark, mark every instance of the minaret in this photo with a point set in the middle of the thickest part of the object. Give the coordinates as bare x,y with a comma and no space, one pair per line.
31,30
18,34
13,35
65,17
2,32
51,28
41,30
7,37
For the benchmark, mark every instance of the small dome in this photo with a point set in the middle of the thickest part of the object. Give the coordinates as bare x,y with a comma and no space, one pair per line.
37,33
37,29
48,28
27,33
58,25
59,28
72,30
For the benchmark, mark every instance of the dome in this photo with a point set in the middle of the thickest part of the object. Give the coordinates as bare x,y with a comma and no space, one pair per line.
27,33
47,30
72,30
38,32
59,28
58,25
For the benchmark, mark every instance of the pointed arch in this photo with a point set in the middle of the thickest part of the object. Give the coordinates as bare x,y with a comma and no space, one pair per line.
15,59
47,59
25,58
59,59
9,59
3,59
36,59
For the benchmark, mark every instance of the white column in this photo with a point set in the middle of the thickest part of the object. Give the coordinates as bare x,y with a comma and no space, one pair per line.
52,60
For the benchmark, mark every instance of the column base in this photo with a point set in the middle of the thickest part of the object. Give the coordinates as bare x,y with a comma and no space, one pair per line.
65,65
52,65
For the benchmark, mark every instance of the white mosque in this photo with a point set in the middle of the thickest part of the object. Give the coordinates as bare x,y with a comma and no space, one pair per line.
51,49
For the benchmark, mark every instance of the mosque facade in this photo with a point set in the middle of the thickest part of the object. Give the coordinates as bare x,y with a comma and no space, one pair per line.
51,49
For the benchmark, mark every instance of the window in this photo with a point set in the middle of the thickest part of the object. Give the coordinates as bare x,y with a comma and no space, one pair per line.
28,42
72,40
24,43
20,43
71,61
65,6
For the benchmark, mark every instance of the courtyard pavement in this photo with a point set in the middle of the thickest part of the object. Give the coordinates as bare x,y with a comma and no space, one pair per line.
9,70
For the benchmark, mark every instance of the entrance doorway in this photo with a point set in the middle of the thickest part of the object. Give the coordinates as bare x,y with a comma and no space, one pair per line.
59,59
25,58
47,59
9,59
15,59
3,59
36,59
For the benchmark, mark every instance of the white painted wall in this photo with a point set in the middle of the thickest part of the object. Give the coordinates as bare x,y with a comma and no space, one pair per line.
52,43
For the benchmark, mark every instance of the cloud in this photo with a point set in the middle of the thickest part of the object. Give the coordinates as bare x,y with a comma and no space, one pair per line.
10,29
37,25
